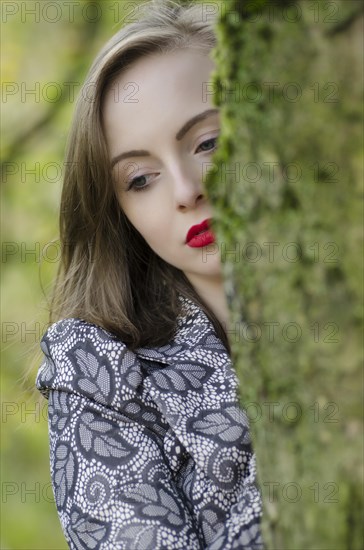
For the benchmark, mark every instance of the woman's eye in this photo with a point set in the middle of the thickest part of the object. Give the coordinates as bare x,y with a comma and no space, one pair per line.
208,145
139,183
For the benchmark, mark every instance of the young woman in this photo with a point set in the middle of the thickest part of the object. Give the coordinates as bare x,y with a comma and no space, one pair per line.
149,448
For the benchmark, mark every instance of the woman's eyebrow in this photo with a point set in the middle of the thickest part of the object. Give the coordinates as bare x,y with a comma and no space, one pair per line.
194,120
185,128
136,153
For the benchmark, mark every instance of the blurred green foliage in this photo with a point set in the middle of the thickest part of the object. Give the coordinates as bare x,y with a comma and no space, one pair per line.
46,48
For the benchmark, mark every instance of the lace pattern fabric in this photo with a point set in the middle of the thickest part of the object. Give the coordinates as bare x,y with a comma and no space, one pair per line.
148,450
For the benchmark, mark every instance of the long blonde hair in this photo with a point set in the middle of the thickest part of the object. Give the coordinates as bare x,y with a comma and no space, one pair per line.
108,275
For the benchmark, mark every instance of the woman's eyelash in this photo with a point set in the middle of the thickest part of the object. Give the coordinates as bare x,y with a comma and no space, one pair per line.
132,184
207,141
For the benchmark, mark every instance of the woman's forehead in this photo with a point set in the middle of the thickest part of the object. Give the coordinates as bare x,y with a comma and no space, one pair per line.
160,75
161,89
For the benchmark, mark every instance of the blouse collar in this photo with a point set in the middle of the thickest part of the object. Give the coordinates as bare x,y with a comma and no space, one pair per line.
194,330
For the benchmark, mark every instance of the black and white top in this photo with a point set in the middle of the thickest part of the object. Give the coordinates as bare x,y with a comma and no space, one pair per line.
148,450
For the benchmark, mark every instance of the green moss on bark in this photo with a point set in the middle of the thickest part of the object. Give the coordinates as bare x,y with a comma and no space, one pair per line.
288,214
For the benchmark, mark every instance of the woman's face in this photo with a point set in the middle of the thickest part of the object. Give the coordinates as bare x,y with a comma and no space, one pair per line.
161,130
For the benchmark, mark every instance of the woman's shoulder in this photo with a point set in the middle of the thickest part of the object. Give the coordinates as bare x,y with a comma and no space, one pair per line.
74,327
78,337
85,358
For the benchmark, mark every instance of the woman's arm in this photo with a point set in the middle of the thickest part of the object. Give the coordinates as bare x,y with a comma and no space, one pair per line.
116,479
111,483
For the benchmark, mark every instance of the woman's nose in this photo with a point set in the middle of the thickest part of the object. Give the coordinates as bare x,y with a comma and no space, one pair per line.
188,190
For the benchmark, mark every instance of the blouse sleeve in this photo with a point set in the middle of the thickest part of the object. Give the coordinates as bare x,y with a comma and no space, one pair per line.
112,484
112,487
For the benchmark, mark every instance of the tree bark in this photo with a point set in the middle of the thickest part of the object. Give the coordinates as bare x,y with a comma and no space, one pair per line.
287,196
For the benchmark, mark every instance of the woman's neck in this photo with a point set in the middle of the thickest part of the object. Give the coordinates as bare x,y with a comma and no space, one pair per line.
212,292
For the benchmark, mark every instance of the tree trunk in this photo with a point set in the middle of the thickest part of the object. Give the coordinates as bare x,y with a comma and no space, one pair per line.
286,190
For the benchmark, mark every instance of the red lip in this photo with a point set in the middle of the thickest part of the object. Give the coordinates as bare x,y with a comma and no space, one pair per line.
200,235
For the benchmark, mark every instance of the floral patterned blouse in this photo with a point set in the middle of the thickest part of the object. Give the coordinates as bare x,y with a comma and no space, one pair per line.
148,450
